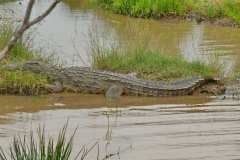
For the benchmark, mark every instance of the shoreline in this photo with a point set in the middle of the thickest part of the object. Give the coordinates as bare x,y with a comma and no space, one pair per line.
221,13
64,82
221,21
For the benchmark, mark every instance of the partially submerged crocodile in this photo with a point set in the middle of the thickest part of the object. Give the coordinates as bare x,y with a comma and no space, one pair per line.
87,80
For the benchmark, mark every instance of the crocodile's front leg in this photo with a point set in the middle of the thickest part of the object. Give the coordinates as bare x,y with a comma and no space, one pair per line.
55,87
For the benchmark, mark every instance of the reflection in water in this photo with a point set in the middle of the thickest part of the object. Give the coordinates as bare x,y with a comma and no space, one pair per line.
113,97
190,44
108,136
194,47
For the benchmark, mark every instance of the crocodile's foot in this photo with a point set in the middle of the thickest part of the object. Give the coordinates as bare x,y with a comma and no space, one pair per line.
211,89
56,87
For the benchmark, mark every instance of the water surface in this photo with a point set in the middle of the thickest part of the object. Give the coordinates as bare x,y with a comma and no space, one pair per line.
163,131
68,31
146,128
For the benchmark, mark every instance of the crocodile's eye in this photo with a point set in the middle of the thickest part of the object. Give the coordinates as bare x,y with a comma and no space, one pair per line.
33,63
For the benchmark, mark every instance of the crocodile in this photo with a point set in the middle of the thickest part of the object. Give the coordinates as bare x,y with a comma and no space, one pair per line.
88,80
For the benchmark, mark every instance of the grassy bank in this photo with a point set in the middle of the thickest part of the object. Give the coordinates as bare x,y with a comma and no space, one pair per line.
18,82
151,64
209,9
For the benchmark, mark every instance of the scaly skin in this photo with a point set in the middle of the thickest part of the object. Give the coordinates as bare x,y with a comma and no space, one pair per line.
82,79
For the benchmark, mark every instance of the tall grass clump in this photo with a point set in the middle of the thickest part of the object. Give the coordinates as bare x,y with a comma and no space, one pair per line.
31,149
18,81
147,8
151,65
40,148
21,52
232,9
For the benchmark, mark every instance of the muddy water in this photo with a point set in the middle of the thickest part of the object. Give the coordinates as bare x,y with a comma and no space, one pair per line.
163,128
149,132
67,33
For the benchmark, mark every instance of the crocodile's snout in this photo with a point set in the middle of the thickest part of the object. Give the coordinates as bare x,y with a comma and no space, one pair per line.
33,63
34,66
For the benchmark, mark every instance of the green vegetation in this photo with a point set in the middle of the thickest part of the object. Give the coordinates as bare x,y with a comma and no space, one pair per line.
31,149
41,149
210,9
150,64
235,74
4,1
76,4
18,82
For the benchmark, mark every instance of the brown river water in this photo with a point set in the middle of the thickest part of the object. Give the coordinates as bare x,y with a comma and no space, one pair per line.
182,128
143,128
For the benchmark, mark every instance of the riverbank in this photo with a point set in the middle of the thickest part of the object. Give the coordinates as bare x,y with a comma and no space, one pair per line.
220,12
18,81
147,64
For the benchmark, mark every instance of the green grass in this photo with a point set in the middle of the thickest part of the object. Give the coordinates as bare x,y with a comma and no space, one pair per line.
151,65
211,9
39,148
18,82
4,1
77,4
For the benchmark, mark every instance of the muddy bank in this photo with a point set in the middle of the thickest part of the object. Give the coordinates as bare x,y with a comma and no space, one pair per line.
198,19
94,81
207,90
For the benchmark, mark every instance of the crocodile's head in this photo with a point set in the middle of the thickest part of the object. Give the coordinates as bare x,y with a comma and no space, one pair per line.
34,66
39,67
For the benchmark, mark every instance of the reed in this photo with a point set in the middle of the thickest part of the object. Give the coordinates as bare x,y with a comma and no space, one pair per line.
40,149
